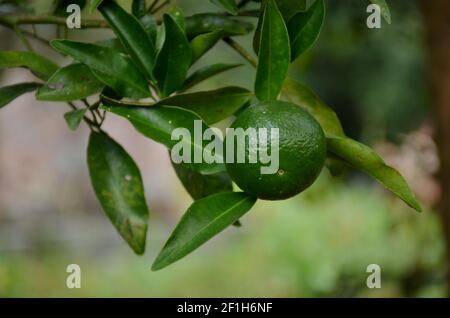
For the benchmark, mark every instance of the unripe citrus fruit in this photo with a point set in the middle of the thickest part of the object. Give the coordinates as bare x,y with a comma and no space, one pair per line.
301,144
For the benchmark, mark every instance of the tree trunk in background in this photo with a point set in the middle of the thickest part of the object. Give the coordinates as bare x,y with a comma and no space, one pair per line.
437,22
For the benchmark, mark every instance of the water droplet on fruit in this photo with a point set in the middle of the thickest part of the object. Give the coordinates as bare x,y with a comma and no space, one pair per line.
128,177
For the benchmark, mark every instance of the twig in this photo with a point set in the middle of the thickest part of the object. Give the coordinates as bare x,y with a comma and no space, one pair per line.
48,19
162,5
243,52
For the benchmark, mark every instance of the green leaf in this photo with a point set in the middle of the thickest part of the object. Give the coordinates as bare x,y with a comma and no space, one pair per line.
138,8
9,93
304,28
199,185
385,12
204,219
177,15
158,123
274,53
229,5
174,59
367,160
208,22
211,106
37,64
289,8
204,42
118,185
205,73
132,35
72,82
74,118
112,43
110,67
301,95
93,4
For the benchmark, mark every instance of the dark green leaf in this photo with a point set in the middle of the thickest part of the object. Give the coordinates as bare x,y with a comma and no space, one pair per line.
110,66
69,83
301,95
132,35
304,28
384,9
204,219
289,8
93,4
74,118
118,184
174,59
158,123
211,106
39,65
274,53
112,43
204,42
208,22
177,15
199,185
138,8
9,93
229,5
367,160
205,73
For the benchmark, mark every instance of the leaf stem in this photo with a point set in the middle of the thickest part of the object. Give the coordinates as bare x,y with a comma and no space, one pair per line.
243,52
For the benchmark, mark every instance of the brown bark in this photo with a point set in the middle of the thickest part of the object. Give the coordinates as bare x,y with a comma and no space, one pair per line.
437,22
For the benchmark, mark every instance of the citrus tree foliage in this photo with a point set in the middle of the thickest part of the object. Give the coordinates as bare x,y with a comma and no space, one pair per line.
151,58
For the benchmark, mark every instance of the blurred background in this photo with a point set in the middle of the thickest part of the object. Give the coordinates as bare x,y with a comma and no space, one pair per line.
315,245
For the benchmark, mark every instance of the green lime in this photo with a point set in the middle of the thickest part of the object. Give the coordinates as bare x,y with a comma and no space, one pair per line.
301,150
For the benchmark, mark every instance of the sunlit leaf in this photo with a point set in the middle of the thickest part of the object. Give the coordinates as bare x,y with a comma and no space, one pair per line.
204,42
203,220
209,22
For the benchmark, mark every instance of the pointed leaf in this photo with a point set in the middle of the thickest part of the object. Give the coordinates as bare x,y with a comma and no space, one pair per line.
158,123
174,59
148,21
209,22
204,219
229,5
304,28
205,73
110,66
367,160
204,42
37,64
301,95
74,118
10,93
118,185
199,185
274,53
72,82
132,35
384,9
289,8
